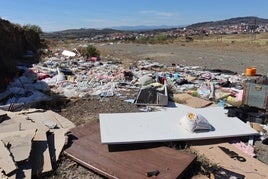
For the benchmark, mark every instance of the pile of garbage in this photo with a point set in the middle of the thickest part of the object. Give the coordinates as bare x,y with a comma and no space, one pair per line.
73,76
67,73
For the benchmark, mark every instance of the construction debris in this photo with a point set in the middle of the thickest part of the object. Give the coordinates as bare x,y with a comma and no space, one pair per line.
32,140
27,142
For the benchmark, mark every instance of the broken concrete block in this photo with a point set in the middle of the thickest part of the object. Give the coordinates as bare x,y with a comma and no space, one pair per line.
19,143
9,127
18,122
7,164
40,158
49,115
3,115
50,124
56,141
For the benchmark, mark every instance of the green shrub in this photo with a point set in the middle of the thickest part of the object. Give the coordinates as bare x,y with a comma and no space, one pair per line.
90,51
35,28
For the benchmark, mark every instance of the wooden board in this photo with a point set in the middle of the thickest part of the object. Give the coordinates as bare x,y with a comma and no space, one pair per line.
87,150
120,128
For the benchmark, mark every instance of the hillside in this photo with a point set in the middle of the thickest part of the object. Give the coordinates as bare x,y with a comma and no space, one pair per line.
79,33
15,42
228,22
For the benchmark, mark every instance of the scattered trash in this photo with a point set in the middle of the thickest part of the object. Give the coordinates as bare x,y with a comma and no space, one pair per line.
68,74
153,173
232,154
68,53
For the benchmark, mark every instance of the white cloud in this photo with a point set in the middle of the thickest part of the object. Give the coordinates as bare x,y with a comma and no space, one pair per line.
158,13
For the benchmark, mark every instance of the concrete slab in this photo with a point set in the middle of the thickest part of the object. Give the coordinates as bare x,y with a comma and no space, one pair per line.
6,162
41,161
56,142
7,127
49,115
161,126
20,143
3,115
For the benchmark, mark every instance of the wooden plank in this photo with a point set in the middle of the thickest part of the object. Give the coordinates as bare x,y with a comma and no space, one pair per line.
122,128
87,150
251,167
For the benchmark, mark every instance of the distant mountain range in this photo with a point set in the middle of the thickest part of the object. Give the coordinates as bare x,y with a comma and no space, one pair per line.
143,27
233,21
83,33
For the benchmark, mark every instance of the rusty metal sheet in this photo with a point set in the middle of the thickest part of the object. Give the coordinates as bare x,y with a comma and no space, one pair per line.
125,161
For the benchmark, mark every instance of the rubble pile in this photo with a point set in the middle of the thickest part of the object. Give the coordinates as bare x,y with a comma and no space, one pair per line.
31,142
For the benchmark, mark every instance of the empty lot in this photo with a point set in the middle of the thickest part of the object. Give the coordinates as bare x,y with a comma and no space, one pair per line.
217,56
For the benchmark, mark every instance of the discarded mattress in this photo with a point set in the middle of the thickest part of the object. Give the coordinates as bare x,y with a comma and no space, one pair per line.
119,128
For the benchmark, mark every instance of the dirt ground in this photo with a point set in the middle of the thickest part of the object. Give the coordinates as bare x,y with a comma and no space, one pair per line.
218,56
81,111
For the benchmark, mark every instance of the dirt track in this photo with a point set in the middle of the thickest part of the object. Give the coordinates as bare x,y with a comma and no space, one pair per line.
220,56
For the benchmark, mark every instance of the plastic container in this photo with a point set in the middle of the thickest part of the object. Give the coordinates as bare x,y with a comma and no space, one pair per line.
251,71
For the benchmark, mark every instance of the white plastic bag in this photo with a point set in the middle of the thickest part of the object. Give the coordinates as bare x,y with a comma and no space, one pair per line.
195,123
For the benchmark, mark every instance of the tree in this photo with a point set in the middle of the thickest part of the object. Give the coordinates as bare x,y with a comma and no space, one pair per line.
35,28
90,51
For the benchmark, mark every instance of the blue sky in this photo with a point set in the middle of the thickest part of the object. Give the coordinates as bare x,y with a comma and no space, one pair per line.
54,15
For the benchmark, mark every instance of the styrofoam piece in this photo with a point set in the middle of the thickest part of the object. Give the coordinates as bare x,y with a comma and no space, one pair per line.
68,53
119,128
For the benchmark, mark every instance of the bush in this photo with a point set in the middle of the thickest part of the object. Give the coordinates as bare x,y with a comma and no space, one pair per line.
35,28
90,51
